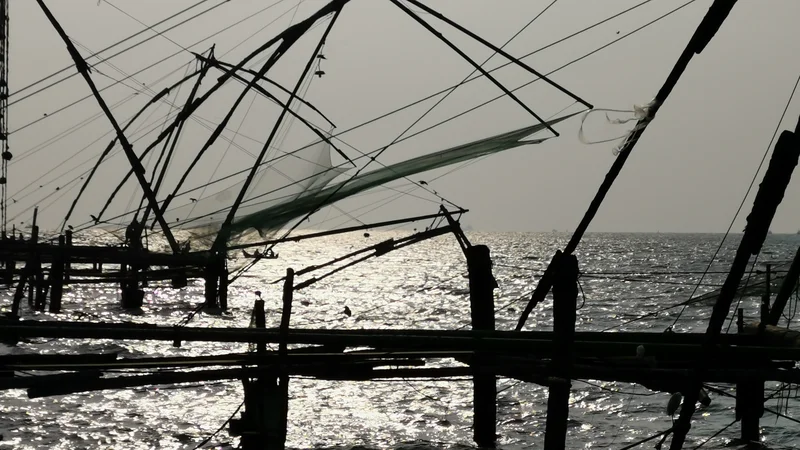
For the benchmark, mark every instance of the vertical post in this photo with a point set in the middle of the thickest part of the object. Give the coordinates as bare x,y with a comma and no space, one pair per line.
20,291
750,395
212,279
262,425
57,276
283,383
223,285
767,294
36,289
481,299
288,293
67,264
261,322
565,295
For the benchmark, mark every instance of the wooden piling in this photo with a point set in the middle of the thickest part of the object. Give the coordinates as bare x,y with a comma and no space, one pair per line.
57,277
765,298
263,422
750,392
565,295
223,285
212,285
261,322
67,264
481,297
283,382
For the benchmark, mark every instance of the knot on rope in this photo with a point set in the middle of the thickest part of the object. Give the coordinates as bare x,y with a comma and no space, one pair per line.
642,114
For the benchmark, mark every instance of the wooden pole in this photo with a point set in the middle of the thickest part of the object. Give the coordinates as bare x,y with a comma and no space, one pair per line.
283,382
702,36
261,322
57,277
67,264
770,193
223,285
565,295
211,287
765,299
481,298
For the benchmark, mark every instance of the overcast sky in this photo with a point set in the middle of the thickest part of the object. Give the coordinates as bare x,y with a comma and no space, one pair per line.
688,173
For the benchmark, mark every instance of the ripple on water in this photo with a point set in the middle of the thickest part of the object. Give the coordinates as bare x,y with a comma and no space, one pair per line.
419,286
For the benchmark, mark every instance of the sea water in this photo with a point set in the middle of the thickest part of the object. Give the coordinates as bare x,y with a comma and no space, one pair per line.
424,286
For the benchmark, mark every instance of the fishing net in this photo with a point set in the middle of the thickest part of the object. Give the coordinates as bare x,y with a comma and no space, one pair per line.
273,201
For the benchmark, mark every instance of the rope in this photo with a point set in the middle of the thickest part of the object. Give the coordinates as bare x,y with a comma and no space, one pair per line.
716,434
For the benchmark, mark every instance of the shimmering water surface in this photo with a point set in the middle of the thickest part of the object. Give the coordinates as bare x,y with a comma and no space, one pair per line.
423,286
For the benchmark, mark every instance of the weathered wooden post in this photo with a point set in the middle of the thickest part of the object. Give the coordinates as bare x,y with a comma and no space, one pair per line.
212,284
481,298
565,295
36,291
57,276
765,299
67,263
749,397
223,285
263,422
283,382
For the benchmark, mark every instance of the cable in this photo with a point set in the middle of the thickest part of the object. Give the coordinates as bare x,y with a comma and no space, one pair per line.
25,88
56,83
149,66
208,439
717,434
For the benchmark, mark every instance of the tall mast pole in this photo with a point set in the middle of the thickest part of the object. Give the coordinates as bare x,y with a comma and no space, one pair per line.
6,155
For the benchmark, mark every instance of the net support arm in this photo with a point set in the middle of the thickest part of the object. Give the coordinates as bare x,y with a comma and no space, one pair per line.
498,50
223,65
705,31
138,169
289,39
474,64
790,281
770,193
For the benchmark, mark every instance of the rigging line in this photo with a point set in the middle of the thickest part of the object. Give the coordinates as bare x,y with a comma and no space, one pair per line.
461,83
174,137
663,16
18,91
742,294
147,27
717,434
79,126
34,181
605,388
520,87
752,182
70,130
497,68
645,280
448,172
150,66
77,177
282,41
286,43
488,44
55,83
570,36
685,303
222,427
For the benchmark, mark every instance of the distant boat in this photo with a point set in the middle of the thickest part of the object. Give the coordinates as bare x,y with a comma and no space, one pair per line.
269,254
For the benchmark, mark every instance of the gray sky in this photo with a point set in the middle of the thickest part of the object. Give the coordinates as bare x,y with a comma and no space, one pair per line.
688,173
